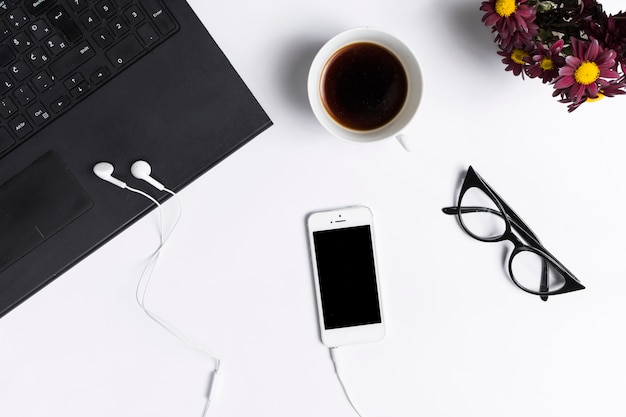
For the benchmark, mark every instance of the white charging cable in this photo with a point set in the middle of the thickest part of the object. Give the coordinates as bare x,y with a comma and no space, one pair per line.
335,357
142,289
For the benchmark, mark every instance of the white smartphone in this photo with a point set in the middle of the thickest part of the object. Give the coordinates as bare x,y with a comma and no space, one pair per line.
346,276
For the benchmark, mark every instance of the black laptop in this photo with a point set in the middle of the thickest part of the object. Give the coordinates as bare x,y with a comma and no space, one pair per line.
84,81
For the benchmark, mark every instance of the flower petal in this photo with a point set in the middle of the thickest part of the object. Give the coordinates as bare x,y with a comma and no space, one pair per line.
577,92
593,90
593,51
564,82
608,73
573,61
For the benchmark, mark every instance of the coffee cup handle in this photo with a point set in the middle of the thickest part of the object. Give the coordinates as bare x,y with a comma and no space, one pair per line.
404,141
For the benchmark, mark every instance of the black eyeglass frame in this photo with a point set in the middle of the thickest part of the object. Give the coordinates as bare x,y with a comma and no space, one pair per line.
513,221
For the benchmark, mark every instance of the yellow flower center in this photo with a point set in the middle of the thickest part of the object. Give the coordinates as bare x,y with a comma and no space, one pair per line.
546,64
587,73
592,99
505,8
518,55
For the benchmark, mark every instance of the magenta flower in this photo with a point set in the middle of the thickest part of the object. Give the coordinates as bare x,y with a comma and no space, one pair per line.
516,59
586,71
545,62
610,31
513,20
571,44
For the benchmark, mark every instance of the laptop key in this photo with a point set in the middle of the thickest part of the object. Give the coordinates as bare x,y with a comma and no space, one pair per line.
60,104
134,15
6,55
38,113
17,18
159,16
72,59
24,94
100,75
61,19
42,81
147,34
5,30
78,5
106,9
56,44
80,90
124,51
73,81
118,27
5,84
38,57
39,29
20,126
20,70
89,20
22,42
36,7
7,107
102,38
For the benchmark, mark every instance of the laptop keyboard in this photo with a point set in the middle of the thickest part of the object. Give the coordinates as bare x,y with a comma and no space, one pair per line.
55,53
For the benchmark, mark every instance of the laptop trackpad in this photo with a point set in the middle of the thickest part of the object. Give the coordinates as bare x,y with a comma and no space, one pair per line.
35,204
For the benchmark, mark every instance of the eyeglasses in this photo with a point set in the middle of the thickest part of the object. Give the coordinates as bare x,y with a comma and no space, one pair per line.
485,216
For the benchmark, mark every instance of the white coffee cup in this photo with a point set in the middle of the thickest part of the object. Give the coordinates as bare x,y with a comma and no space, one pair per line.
318,72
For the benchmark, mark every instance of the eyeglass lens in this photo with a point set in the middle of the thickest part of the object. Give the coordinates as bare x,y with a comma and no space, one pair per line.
480,216
526,269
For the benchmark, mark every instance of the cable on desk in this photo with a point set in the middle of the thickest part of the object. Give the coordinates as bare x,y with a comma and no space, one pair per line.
335,357
144,282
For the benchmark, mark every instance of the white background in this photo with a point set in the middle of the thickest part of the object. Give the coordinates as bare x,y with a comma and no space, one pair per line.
461,339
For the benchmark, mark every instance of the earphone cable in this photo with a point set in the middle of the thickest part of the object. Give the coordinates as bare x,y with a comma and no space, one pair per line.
144,282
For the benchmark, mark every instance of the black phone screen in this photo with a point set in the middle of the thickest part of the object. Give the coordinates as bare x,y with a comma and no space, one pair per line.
347,277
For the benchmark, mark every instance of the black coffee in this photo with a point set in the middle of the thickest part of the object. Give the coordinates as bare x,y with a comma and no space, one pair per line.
364,86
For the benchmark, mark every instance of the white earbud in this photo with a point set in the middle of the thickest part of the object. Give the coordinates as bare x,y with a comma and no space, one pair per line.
104,170
141,170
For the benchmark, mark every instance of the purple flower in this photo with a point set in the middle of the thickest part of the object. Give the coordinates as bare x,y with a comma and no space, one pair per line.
610,31
516,59
545,62
572,44
513,20
586,71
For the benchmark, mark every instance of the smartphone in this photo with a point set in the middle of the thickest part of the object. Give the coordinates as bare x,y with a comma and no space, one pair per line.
346,278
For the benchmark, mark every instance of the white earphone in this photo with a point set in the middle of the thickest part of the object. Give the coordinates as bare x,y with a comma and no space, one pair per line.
142,170
104,170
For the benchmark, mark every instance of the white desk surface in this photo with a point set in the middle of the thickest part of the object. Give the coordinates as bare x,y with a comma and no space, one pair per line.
461,339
